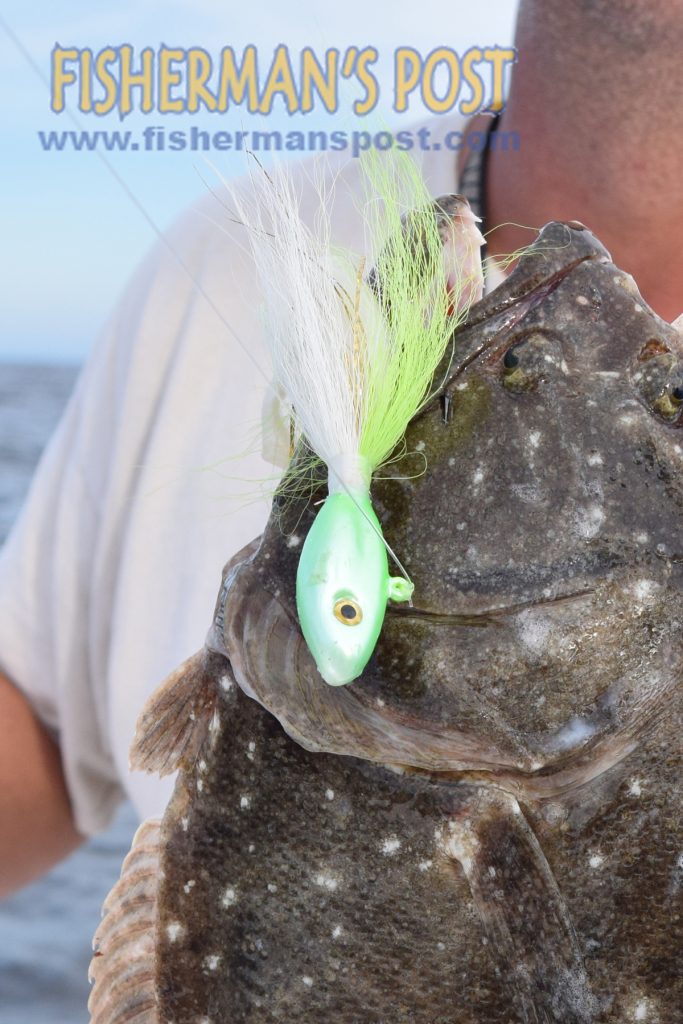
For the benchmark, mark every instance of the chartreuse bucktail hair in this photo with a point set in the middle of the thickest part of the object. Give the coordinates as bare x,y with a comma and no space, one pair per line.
355,350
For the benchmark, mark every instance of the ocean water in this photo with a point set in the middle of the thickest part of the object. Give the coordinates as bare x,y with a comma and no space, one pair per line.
46,929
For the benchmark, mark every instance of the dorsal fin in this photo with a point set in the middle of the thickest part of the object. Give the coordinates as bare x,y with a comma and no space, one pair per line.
174,722
122,969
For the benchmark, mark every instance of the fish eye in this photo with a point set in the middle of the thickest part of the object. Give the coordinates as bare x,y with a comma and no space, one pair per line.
529,360
348,611
658,380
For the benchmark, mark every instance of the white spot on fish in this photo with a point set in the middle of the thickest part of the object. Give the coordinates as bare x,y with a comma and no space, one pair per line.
336,931
212,961
174,931
576,731
529,493
251,747
203,766
251,848
451,461
595,459
582,300
329,794
635,787
645,591
420,446
229,897
326,882
477,476
226,682
200,785
425,865
596,860
391,845
380,702
184,823
492,871
293,541
534,438
588,521
189,885
641,1009
533,631
676,876
642,538
245,801
272,887
308,981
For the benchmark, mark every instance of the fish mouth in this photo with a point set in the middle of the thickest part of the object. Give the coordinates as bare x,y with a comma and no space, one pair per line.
539,586
566,580
486,617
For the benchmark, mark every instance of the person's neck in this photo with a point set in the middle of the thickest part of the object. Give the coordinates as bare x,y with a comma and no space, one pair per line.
587,155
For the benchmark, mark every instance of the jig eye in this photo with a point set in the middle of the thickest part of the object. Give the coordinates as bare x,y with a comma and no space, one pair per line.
348,611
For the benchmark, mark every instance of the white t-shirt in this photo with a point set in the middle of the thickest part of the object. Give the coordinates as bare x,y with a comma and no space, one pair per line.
153,479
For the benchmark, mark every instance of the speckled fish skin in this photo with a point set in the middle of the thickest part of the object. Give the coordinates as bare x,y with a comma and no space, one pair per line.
485,826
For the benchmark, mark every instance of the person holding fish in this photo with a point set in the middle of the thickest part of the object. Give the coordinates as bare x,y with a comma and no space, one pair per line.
107,580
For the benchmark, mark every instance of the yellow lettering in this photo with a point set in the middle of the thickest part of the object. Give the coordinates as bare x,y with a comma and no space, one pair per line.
61,76
442,55
106,79
367,79
473,79
141,79
407,64
499,57
85,94
280,80
325,83
234,83
199,67
168,77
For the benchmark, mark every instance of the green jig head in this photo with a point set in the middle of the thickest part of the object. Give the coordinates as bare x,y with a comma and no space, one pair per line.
343,585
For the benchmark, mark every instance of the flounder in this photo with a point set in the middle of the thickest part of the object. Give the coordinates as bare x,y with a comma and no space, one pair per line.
485,826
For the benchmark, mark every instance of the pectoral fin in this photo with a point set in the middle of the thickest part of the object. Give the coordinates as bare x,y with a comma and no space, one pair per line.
175,720
526,920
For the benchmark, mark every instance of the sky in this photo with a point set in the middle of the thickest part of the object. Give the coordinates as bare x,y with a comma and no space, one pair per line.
71,236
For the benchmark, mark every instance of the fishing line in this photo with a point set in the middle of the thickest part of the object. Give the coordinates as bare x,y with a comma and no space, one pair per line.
137,203
127,190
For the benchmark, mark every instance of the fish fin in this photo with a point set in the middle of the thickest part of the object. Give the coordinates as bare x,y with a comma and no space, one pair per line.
530,932
123,968
461,270
175,721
